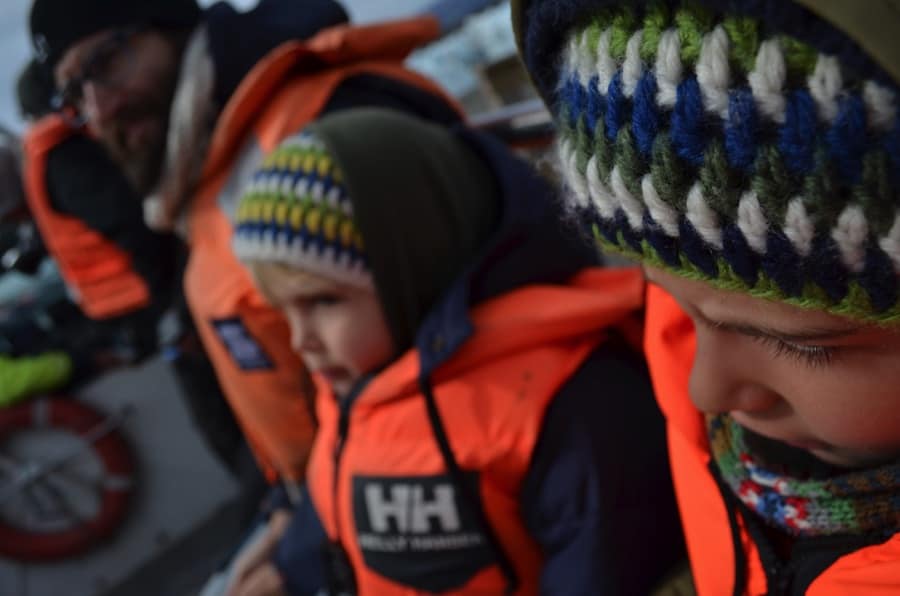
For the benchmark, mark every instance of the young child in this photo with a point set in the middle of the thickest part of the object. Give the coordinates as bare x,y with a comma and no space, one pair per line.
475,393
749,154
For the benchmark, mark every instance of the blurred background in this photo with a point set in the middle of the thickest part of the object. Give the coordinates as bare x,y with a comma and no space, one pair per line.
485,42
184,513
15,46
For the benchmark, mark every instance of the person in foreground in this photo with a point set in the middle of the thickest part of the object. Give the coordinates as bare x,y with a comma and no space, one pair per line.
748,153
477,398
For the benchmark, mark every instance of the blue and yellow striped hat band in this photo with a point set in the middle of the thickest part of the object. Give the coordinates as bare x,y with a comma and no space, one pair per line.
295,211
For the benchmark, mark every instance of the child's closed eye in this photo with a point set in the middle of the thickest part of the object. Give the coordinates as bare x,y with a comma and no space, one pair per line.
812,356
323,299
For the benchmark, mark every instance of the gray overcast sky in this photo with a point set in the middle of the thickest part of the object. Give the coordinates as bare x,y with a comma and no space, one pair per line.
15,48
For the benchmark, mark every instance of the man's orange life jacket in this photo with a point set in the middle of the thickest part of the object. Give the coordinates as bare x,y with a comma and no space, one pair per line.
670,345
246,339
377,477
98,274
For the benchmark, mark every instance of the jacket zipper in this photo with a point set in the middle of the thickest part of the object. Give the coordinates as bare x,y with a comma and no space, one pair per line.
343,430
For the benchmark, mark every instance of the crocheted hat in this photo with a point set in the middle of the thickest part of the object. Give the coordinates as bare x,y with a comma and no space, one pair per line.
296,212
750,144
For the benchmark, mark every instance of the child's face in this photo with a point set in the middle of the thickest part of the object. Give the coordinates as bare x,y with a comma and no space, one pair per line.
807,378
338,330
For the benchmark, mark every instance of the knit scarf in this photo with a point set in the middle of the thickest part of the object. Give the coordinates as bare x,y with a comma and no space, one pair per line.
856,502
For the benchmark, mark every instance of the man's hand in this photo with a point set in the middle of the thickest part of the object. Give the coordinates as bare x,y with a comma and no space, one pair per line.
258,554
265,580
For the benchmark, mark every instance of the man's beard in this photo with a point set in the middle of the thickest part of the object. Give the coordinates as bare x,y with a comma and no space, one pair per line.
142,165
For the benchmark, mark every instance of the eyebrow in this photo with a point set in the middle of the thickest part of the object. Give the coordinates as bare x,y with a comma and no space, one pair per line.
808,335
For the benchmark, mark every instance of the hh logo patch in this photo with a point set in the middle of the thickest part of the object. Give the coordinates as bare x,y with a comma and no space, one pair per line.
417,531
245,350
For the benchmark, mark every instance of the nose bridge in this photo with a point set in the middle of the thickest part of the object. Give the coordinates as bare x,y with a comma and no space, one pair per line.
302,331
101,104
724,378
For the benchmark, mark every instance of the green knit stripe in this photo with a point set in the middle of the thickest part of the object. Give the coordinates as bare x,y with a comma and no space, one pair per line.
623,26
743,33
692,22
656,20
855,305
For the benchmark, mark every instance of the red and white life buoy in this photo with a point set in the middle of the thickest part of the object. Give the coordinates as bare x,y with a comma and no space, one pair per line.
118,462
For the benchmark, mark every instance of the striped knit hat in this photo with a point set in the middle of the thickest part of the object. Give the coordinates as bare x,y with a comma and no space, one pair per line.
296,211
750,144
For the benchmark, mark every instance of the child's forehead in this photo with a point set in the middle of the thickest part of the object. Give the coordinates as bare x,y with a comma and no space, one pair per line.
723,306
299,280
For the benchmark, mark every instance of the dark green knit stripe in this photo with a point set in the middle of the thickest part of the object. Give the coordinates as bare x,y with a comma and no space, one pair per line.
775,186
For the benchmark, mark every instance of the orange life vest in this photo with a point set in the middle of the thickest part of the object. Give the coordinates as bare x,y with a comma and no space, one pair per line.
381,487
670,345
283,93
98,274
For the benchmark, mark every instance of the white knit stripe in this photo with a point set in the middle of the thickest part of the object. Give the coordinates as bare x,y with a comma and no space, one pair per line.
703,218
767,80
752,222
881,106
303,140
825,85
326,263
281,246
273,182
799,227
850,234
287,184
606,67
713,72
333,197
633,208
601,196
661,212
317,191
301,189
584,60
633,67
890,244
568,161
570,61
669,68
267,241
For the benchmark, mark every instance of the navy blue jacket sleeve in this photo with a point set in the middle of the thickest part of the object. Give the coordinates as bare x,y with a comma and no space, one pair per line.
299,556
598,496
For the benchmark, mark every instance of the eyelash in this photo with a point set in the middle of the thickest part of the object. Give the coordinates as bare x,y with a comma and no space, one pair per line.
321,300
812,356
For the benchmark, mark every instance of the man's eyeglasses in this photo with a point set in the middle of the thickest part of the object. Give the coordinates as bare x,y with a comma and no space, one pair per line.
108,65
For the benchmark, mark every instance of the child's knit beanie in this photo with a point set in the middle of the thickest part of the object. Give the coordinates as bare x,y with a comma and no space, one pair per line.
375,198
753,144
296,212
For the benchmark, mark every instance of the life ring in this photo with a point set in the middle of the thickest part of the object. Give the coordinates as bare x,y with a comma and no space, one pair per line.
112,451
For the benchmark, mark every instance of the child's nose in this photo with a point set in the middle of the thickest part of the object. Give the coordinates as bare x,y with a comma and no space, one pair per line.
303,337
720,382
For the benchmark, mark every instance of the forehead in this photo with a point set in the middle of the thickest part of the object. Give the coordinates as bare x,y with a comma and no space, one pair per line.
726,306
74,57
281,283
